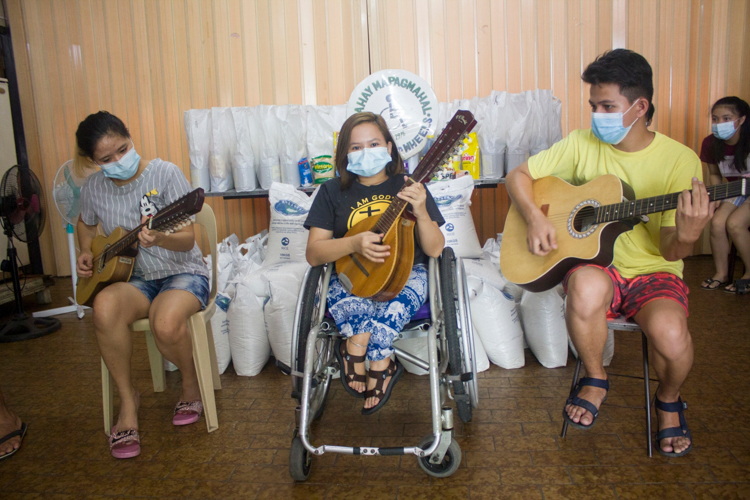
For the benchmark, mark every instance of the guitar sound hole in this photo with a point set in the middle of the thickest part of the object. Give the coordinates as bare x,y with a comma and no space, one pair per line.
584,219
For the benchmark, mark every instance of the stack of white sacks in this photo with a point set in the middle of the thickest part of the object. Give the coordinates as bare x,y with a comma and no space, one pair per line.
257,286
245,148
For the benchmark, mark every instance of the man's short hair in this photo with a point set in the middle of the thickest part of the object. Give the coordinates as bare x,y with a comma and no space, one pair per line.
629,70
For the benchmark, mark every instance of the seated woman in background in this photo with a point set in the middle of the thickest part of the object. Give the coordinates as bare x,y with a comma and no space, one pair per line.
169,281
725,154
371,173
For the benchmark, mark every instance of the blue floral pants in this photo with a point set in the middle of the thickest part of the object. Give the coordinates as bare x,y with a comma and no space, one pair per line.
383,320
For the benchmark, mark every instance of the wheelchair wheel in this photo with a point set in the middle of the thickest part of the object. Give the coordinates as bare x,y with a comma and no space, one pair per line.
449,294
451,460
300,460
309,314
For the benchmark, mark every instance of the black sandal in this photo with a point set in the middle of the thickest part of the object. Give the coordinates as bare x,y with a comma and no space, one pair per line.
708,284
574,400
394,370
20,432
682,431
348,374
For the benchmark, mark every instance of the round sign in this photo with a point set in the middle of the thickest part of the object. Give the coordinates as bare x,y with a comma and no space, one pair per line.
406,102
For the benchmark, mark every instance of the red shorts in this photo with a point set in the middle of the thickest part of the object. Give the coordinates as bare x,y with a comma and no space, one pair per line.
630,295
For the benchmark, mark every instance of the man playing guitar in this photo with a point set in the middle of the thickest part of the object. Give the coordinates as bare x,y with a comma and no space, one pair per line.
644,281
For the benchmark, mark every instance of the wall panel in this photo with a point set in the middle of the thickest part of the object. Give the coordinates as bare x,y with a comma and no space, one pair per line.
150,60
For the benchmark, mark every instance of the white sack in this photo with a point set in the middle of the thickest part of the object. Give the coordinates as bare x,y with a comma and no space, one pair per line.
453,198
287,237
292,147
519,133
243,160
198,133
223,146
486,271
543,317
284,281
220,329
247,336
494,316
269,170
491,145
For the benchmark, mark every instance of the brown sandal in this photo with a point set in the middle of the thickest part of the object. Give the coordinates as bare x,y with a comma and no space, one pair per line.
348,374
394,370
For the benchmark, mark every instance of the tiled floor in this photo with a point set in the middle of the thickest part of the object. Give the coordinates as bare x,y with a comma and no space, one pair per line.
512,449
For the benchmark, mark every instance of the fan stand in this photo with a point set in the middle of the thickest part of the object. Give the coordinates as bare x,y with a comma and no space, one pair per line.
22,326
74,306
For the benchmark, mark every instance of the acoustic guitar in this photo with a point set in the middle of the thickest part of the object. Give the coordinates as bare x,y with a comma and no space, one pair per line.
114,255
382,281
588,219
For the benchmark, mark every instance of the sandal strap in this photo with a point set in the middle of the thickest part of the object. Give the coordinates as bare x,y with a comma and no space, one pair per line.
123,437
670,432
677,407
594,382
189,406
351,360
13,434
380,376
588,405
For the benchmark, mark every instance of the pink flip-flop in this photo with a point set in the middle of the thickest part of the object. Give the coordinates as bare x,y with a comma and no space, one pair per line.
187,412
125,444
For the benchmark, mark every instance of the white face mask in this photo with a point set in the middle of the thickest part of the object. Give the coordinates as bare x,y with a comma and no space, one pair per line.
724,130
608,127
124,168
369,161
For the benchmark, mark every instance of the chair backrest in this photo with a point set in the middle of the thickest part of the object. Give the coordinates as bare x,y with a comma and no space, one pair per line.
207,219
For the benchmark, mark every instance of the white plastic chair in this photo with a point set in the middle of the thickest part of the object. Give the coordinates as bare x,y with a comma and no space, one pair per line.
204,351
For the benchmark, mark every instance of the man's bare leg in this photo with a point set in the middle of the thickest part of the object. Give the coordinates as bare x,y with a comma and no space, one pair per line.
665,324
590,292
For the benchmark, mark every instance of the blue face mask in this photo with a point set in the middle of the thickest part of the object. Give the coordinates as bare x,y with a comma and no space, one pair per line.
724,130
608,127
124,168
369,161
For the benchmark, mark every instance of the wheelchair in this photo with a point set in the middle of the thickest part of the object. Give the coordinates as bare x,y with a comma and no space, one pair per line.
451,366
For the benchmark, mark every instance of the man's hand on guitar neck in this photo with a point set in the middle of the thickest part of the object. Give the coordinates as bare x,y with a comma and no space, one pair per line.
694,211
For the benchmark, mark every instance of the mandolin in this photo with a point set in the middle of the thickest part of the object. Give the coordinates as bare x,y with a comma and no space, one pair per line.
114,255
382,281
588,220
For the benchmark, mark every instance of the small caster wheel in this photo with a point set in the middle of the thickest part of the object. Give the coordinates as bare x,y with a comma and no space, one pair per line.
449,465
300,460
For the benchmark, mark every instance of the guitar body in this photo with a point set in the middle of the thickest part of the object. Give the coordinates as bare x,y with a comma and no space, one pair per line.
379,281
117,269
561,202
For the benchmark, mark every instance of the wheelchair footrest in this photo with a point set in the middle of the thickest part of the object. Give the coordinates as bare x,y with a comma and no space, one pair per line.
378,451
462,397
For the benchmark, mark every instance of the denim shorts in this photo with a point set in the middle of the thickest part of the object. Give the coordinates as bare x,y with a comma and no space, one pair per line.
193,283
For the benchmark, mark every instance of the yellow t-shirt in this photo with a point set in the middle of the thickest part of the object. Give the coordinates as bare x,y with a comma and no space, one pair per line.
664,167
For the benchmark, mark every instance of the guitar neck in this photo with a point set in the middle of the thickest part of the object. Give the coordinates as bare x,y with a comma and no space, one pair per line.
461,124
167,219
645,206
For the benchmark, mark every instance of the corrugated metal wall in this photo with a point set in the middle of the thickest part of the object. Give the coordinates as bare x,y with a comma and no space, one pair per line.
149,60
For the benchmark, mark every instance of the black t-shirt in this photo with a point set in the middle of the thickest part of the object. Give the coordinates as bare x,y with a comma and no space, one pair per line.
337,210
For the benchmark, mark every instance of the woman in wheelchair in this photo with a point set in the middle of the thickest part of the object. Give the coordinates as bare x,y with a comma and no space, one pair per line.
370,174
169,282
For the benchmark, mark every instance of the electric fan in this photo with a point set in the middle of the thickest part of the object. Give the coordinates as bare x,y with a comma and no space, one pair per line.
67,194
23,213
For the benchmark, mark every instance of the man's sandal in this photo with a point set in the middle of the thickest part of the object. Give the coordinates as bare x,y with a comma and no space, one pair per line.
20,432
681,431
574,400
348,374
394,370
740,287
124,444
712,284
